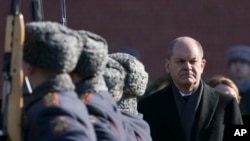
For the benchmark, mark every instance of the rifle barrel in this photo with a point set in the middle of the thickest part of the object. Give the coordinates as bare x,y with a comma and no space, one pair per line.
14,7
63,20
37,10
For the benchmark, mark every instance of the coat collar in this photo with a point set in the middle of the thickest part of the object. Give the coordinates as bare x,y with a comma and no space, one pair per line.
170,117
205,112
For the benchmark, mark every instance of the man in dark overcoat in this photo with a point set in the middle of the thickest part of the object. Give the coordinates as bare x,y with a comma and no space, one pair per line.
188,109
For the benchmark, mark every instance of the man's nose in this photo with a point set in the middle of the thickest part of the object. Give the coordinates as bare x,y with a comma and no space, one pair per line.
187,65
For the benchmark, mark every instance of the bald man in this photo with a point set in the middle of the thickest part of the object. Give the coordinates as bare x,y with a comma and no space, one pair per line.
188,109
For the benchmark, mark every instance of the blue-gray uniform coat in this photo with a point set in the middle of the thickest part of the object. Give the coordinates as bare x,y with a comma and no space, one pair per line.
215,112
106,117
54,112
137,129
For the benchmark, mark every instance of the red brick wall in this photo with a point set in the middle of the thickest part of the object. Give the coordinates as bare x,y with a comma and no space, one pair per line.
150,25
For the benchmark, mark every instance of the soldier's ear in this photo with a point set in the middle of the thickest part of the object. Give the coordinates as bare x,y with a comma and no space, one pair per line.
75,77
30,69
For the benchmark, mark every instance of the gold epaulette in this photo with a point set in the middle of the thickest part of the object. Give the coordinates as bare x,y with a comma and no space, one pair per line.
86,97
50,99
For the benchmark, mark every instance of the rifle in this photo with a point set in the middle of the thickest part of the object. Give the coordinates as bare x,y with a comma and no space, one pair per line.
13,73
63,20
37,10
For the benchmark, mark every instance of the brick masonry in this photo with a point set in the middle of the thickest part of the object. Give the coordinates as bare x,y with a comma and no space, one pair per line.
150,25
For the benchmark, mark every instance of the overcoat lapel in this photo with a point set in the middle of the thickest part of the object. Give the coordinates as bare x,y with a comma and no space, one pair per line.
171,120
205,112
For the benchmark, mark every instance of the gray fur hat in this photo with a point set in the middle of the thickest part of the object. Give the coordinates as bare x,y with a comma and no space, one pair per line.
129,50
136,78
128,105
114,77
239,52
51,46
94,55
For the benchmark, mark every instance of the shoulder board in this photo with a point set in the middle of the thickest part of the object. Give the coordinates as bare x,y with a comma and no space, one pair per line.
86,97
51,99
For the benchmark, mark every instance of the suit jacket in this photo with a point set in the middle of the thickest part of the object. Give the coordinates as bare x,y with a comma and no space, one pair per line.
215,112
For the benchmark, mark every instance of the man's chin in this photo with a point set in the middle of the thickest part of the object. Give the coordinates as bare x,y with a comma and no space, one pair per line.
188,82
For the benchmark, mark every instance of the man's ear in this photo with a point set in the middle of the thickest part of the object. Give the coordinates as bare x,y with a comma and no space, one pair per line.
167,65
203,64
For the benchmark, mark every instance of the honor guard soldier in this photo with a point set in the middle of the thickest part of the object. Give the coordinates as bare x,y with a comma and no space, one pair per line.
92,90
126,77
53,111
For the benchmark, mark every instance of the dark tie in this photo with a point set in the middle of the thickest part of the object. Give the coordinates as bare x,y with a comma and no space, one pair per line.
186,98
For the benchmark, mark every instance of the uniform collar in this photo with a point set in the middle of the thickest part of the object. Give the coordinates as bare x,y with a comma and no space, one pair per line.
61,82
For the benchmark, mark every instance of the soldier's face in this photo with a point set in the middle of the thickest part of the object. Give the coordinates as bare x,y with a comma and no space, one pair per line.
239,69
186,65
